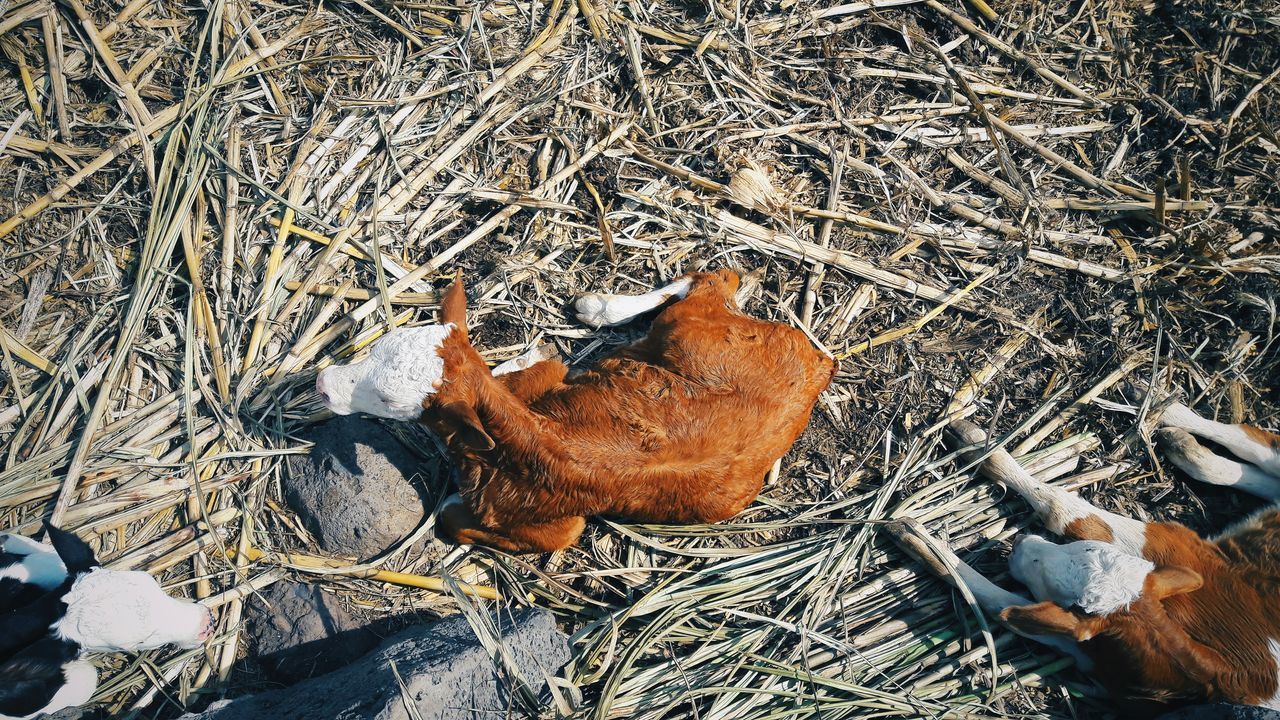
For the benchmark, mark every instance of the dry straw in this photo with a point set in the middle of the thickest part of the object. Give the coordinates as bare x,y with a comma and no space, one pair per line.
997,210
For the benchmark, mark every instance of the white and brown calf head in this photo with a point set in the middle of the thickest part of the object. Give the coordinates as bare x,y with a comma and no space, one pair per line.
1095,577
429,373
403,369
1158,614
1114,604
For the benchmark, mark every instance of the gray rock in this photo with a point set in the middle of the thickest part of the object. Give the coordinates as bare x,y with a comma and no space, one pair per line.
446,675
1221,711
301,631
357,491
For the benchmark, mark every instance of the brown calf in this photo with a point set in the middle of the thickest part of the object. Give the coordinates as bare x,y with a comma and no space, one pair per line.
1159,615
680,427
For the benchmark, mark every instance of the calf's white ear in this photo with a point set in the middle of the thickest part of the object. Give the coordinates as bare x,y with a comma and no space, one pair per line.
75,553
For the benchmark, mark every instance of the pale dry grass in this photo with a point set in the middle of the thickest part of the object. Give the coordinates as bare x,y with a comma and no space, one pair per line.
1006,210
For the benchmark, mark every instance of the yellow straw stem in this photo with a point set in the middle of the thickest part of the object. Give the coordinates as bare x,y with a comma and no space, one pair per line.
311,562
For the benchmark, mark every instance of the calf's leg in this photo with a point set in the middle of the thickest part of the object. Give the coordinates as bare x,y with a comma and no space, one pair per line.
1250,444
938,557
1181,448
548,536
457,524
1062,511
525,360
534,381
599,310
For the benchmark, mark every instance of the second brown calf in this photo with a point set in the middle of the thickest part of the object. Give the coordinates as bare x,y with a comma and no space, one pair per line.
680,427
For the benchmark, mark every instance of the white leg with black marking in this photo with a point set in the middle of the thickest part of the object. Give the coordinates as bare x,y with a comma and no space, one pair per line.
1062,511
1244,441
1196,460
600,310
81,683
941,561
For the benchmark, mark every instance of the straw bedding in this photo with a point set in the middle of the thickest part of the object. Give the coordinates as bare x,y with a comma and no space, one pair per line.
1015,211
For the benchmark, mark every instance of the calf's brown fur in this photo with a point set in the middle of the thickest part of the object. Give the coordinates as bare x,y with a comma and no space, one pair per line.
680,427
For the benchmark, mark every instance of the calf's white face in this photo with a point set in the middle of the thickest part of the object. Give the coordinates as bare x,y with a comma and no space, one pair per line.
111,611
1093,576
403,368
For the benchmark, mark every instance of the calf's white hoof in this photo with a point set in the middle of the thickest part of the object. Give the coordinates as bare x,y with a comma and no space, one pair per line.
1182,449
593,310
525,361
